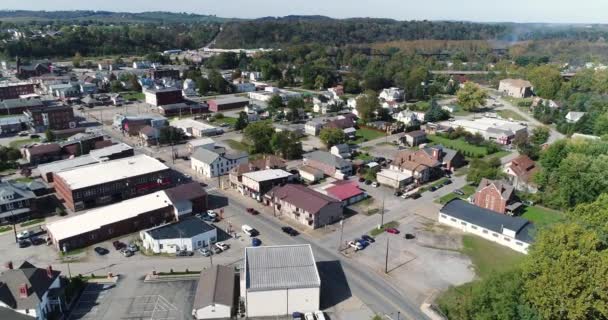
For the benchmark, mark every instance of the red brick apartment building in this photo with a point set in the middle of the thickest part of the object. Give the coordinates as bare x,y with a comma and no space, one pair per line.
496,195
109,182
54,118
14,90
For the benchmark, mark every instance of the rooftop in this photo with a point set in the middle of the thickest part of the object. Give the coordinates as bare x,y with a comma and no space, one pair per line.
302,197
327,158
265,175
517,83
215,286
56,166
485,124
89,175
280,267
99,154
344,191
394,175
38,281
230,100
186,228
97,218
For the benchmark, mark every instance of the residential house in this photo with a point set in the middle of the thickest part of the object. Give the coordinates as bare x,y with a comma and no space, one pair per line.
330,164
337,91
521,172
265,163
574,116
419,164
215,294
393,178
212,164
206,143
516,88
347,192
341,150
496,195
409,118
392,94
313,127
450,159
308,207
148,136
512,232
17,202
310,174
414,138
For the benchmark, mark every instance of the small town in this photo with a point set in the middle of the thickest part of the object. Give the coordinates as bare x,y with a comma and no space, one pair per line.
173,166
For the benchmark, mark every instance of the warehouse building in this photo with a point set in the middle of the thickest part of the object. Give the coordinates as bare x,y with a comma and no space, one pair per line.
501,131
163,96
220,105
280,280
108,182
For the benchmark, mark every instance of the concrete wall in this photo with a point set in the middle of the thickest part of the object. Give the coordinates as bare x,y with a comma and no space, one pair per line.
218,311
283,302
172,245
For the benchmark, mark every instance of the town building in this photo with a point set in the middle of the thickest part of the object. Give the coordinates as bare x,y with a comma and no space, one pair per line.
17,202
313,127
131,125
414,138
51,118
493,129
64,90
30,291
347,192
205,143
521,172
13,90
256,184
265,163
341,150
163,96
512,232
392,94
215,296
394,178
11,125
310,174
496,195
410,118
18,106
516,88
160,73
197,129
42,153
418,164
286,276
308,207
182,108
212,164
330,164
187,234
83,187
219,105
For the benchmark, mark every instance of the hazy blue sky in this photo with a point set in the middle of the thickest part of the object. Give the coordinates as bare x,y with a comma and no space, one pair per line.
582,11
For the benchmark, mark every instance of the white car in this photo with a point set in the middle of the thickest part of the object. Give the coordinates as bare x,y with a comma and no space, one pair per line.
222,246
319,315
355,245
23,235
375,184
212,213
309,316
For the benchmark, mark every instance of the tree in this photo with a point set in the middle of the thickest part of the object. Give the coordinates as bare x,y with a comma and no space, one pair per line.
286,144
259,134
435,113
77,60
275,103
294,105
367,105
115,86
546,81
242,121
351,85
170,135
471,96
540,135
49,135
332,136
203,85
478,169
217,82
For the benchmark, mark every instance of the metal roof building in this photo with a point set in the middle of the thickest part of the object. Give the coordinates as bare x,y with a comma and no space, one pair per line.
286,275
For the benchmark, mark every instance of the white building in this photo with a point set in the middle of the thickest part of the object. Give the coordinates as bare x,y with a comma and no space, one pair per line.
512,232
280,280
393,178
501,131
184,235
214,298
392,94
516,88
313,127
212,164
205,143
408,117
574,116
310,174
194,128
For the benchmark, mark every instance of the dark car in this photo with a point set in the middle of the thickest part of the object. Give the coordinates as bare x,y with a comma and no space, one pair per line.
397,193
118,245
361,179
126,252
255,242
415,195
368,182
409,236
252,211
217,250
24,243
368,238
101,251
37,241
184,253
433,188
447,182
207,218
290,231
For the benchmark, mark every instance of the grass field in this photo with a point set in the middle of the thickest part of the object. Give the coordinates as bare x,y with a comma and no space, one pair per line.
133,95
542,216
227,120
511,115
19,143
468,190
365,134
460,145
391,224
5,228
32,222
237,145
489,257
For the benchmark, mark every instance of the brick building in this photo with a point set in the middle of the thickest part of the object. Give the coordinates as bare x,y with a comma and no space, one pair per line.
18,106
112,181
54,118
219,105
159,73
496,195
14,90
163,96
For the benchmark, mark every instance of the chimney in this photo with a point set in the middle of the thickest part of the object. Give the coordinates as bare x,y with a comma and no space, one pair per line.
436,153
9,265
23,291
49,271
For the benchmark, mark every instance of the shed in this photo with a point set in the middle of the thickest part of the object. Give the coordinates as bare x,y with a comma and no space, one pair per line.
214,298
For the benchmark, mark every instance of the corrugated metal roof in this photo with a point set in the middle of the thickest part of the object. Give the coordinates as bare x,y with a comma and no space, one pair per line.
280,267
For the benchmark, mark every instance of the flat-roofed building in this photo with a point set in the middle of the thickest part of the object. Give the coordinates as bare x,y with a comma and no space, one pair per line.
501,131
280,280
257,183
12,90
220,105
163,96
517,88
111,181
185,235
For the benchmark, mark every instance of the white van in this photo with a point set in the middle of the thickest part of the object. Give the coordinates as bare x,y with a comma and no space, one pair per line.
249,230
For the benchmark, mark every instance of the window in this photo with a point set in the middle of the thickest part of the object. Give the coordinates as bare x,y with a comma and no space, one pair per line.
507,239
463,223
160,246
474,227
519,243
10,206
453,219
444,216
495,235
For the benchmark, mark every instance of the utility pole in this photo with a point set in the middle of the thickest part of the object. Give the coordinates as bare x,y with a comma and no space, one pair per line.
341,234
386,258
382,213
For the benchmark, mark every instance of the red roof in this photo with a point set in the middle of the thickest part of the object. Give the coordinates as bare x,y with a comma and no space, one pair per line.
344,191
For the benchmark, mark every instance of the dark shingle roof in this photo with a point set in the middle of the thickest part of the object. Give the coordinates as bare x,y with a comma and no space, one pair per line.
186,228
215,286
327,158
463,210
188,191
37,280
302,197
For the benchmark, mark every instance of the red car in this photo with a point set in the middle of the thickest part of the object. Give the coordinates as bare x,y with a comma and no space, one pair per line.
252,211
118,245
392,230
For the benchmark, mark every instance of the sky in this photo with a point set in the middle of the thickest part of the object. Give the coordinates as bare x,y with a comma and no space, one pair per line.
552,11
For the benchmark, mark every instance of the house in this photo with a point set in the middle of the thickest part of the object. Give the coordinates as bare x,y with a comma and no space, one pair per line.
450,159
215,294
350,133
521,172
64,90
12,124
419,164
516,88
330,164
513,232
277,281
414,138
195,128
308,207
256,184
265,163
148,136
313,127
88,88
347,192
219,105
42,153
206,143
409,118
310,174
392,94
212,164
17,202
31,291
496,195
188,234
341,123
341,150
574,116
393,178
337,91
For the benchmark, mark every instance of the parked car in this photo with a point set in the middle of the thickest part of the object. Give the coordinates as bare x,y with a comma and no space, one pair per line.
458,192
36,241
446,182
101,251
205,252
133,247
23,134
375,184
433,188
361,179
397,193
309,316
368,182
409,236
217,250
126,252
290,231
118,245
212,213
252,211
24,243
207,218
249,231
23,235
367,238
184,253
222,246
255,242
362,242
319,315
392,230
356,245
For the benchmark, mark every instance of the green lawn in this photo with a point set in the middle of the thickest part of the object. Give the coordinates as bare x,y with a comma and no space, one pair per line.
489,257
19,143
391,224
434,184
24,179
542,216
5,228
32,222
510,114
364,157
365,134
460,145
468,190
227,120
133,95
237,145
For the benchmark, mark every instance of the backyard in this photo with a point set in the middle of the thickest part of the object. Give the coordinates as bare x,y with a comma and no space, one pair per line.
542,216
365,134
132,95
19,143
468,190
237,145
460,145
510,115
